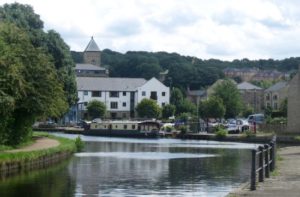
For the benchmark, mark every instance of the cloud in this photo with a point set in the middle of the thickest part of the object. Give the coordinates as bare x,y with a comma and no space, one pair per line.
228,29
124,27
170,21
230,17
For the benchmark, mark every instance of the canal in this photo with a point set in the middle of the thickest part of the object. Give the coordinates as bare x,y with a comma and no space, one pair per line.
139,167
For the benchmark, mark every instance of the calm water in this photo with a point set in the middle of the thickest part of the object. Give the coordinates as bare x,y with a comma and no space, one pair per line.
134,167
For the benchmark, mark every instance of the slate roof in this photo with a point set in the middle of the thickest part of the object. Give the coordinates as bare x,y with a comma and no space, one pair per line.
88,67
109,84
92,46
247,86
196,92
277,86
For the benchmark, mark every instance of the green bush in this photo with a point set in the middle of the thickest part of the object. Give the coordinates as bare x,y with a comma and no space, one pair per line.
278,120
79,144
221,133
169,128
249,133
183,129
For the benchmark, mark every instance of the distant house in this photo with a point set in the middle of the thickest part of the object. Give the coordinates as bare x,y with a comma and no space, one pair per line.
253,74
294,104
120,95
268,75
246,74
196,95
275,95
252,96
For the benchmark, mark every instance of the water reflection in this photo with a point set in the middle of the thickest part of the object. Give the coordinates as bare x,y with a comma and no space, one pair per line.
53,181
126,168
135,167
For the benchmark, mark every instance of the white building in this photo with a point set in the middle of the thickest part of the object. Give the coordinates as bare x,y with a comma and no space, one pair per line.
120,95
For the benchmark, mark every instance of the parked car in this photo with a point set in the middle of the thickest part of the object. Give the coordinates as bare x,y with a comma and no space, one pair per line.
257,118
231,126
243,125
235,126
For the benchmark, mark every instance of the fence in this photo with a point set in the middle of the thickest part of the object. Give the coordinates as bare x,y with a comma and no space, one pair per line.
263,162
277,128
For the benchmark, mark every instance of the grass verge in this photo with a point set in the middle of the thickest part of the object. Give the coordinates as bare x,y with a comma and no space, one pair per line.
65,145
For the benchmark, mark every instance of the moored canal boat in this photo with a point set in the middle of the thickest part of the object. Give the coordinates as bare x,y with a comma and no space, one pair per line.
121,128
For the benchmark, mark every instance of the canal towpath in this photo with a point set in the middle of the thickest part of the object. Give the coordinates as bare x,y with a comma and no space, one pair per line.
286,182
40,143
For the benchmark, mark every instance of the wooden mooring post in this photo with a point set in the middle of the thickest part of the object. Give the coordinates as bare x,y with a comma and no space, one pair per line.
266,162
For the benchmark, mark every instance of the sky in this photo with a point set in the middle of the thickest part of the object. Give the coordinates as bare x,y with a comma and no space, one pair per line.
221,29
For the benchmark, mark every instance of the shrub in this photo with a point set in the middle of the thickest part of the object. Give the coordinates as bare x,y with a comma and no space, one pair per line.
249,133
168,128
183,129
79,144
221,133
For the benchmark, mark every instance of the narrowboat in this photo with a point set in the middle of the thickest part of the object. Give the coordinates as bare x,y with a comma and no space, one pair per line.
134,129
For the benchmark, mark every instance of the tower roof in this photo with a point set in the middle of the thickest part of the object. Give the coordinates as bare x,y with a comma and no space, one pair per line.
92,46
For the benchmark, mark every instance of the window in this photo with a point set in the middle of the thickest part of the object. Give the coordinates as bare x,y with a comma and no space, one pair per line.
275,97
114,94
85,103
124,93
163,104
85,93
125,126
124,115
124,104
114,105
267,97
153,95
163,93
133,126
143,93
96,93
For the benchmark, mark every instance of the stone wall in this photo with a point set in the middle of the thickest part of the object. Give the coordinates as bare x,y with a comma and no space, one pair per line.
92,57
8,168
294,105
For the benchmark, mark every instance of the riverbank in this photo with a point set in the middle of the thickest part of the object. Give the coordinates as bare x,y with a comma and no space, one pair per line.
46,150
285,182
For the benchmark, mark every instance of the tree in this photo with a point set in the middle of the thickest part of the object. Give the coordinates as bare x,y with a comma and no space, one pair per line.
168,111
148,108
24,18
37,78
186,106
96,109
211,108
64,64
29,85
247,110
176,97
230,96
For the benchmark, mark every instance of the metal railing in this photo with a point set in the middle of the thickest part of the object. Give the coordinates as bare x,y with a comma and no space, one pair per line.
263,162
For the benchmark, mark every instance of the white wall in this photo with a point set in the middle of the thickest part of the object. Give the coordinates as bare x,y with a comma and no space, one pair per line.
105,98
156,86
152,85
